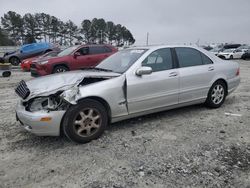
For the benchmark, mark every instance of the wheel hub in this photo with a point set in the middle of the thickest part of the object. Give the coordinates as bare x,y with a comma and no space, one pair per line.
87,121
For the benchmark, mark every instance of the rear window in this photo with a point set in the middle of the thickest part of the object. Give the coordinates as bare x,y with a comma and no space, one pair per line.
205,59
188,57
97,50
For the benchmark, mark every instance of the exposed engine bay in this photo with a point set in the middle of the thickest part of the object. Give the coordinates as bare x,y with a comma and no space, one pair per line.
50,103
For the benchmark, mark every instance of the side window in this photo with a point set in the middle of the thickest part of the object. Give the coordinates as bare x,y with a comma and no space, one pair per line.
83,51
206,60
97,50
188,57
107,49
159,60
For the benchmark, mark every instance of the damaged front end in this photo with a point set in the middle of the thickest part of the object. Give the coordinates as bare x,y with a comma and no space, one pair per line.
45,101
53,102
54,92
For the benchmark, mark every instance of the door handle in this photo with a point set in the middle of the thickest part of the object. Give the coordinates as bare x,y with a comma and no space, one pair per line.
173,74
210,68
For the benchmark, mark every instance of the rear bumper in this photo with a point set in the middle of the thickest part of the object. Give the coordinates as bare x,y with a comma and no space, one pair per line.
233,84
31,121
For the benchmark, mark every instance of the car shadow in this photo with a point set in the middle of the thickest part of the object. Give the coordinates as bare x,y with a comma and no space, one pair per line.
173,113
53,143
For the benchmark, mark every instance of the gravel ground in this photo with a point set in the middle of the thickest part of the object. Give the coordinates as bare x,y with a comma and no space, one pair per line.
186,147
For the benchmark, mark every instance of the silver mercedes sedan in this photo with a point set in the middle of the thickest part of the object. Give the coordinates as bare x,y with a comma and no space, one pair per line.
130,83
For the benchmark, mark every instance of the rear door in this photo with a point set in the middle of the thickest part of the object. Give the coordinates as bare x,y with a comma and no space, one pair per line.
98,53
196,74
159,89
238,53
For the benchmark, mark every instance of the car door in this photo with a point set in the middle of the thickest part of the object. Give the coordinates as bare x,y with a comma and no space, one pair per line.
196,72
238,54
158,89
80,58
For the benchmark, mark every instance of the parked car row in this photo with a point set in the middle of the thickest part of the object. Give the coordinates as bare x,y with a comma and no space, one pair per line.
232,51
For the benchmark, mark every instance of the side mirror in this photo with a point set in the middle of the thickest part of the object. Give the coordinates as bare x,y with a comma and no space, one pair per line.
77,54
143,71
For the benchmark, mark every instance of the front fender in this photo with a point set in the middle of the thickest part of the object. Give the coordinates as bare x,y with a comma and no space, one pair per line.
111,90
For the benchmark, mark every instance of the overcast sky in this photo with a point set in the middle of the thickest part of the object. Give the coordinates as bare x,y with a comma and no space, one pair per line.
167,21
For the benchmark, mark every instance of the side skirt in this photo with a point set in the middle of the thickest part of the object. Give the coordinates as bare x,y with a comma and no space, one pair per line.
120,118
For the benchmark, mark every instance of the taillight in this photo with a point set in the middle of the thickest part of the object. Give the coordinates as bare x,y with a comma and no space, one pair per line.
238,72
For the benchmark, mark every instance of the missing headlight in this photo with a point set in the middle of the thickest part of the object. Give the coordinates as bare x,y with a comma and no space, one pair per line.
50,103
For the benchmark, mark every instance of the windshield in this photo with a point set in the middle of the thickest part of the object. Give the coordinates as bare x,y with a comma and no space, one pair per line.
122,60
229,50
67,51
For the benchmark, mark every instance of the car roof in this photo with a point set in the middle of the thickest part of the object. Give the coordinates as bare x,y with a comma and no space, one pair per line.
164,46
156,47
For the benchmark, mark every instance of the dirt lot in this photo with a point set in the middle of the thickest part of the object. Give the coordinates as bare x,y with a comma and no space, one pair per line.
187,147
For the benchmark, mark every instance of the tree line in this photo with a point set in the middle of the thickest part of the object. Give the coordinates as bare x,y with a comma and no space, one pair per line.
17,29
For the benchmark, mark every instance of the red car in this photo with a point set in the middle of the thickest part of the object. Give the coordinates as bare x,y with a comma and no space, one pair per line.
73,58
25,64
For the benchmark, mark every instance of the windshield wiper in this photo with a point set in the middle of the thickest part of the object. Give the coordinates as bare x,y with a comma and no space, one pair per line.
97,68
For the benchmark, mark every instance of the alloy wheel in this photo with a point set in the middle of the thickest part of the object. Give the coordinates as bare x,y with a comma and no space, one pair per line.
60,70
87,122
218,94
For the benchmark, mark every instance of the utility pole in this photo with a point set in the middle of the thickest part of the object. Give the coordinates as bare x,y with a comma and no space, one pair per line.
100,32
101,37
147,38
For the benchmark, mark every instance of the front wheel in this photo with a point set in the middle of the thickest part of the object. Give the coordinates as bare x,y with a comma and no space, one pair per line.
216,95
231,57
85,121
60,68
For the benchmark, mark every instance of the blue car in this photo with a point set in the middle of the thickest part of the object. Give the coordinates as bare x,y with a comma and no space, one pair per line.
28,51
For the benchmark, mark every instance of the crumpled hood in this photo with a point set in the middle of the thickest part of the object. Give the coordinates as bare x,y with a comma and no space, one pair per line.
50,84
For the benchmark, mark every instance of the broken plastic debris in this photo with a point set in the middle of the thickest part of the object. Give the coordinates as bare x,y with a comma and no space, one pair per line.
231,114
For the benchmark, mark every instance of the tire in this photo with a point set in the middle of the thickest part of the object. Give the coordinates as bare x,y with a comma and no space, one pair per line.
14,61
60,68
216,95
231,57
6,74
85,121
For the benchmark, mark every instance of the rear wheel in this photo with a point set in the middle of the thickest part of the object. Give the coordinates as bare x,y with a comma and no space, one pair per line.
60,68
216,95
231,56
85,121
14,61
